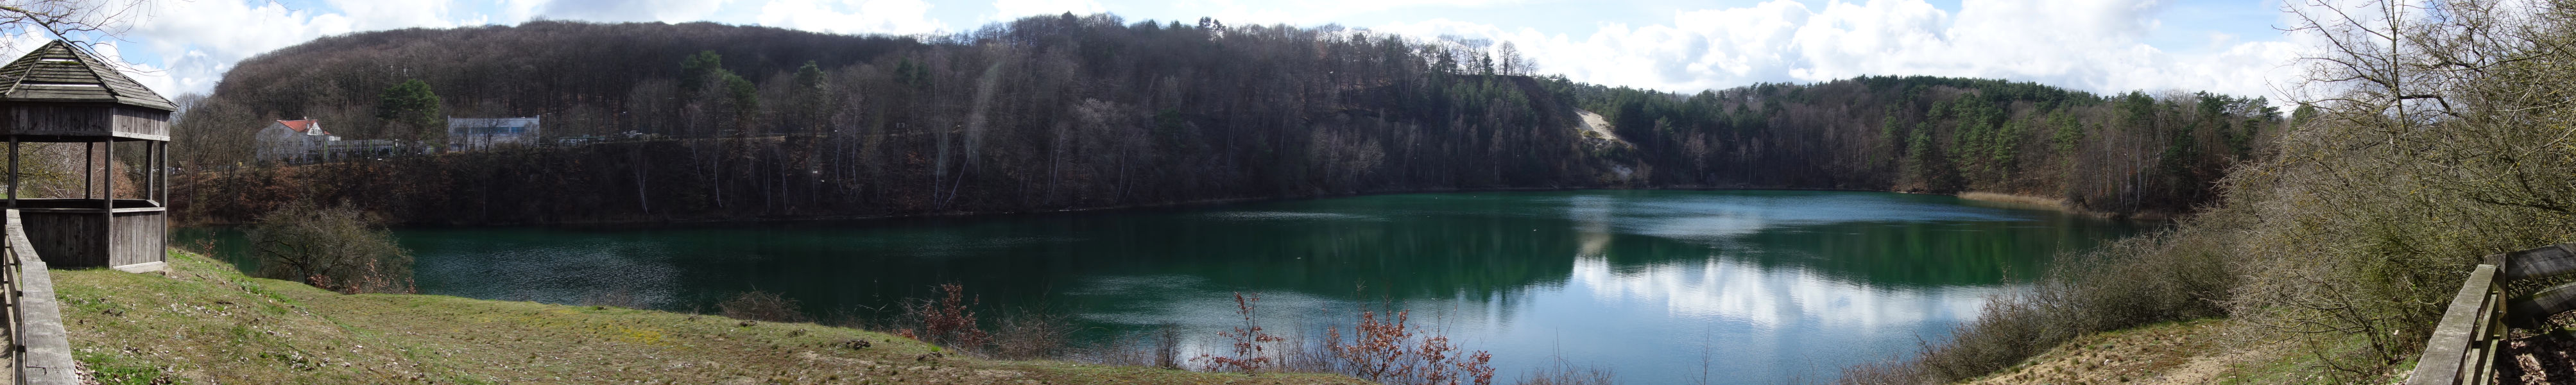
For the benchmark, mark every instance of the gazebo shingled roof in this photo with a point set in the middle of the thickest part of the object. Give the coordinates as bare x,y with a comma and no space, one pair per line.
61,74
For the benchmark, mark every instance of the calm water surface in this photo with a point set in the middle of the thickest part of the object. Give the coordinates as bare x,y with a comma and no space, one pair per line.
1660,286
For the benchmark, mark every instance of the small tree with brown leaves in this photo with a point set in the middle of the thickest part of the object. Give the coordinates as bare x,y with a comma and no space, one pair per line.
1392,352
948,320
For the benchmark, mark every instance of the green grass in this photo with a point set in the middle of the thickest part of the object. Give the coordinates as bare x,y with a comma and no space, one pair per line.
207,323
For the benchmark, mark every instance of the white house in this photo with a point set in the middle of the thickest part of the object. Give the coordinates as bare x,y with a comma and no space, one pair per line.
472,134
295,141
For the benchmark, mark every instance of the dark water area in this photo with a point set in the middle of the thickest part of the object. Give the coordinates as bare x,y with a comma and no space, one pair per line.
1659,286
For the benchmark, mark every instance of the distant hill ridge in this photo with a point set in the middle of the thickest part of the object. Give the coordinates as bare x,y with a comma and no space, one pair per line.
1067,112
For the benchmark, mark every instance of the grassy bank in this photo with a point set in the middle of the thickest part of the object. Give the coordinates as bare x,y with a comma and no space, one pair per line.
207,323
2205,351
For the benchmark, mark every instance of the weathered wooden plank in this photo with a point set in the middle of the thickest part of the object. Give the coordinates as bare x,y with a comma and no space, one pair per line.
68,238
2529,310
2490,330
33,92
2540,262
58,74
137,238
57,120
2445,355
142,121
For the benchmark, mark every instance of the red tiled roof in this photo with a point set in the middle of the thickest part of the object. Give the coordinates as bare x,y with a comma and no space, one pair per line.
301,125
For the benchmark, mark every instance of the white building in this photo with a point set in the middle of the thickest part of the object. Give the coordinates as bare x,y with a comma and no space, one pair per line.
474,134
294,141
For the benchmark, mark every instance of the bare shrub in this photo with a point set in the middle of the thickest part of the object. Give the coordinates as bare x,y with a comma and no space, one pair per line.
1250,348
947,320
2006,331
336,248
1029,334
2166,276
2441,140
1392,352
761,306
1167,347
1892,372
1158,347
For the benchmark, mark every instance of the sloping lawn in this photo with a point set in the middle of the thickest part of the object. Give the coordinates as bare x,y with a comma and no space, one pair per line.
208,324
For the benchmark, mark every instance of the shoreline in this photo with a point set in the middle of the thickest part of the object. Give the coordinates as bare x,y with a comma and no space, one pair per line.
2015,200
2058,204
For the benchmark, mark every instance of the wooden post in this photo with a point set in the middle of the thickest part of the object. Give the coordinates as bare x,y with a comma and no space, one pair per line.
107,212
87,152
107,174
151,174
13,171
160,171
161,174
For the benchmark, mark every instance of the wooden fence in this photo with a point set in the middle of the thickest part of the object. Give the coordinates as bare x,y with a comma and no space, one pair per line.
39,349
2463,346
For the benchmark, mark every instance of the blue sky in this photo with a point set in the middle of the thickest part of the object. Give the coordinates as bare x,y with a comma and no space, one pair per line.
2094,45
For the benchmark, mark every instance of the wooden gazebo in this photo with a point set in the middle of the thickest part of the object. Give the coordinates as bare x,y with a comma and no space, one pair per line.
60,94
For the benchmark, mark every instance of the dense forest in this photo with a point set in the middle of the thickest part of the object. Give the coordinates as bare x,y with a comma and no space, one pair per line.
1070,112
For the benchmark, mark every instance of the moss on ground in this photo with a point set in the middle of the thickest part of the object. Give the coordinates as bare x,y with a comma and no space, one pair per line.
206,323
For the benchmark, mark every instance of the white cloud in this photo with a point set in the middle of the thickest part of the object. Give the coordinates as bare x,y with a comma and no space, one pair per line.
198,40
405,13
900,17
1316,12
195,42
633,10
1005,10
514,12
2093,45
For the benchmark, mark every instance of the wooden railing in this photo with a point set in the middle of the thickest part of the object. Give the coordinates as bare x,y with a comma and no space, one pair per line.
39,348
2463,347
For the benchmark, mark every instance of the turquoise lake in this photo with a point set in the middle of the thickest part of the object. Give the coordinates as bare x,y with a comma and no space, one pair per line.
1662,287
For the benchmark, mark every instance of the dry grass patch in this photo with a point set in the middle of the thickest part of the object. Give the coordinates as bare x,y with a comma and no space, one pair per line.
2205,351
2046,202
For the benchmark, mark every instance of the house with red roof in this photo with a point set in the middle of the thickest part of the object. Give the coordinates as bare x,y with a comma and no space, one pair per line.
294,141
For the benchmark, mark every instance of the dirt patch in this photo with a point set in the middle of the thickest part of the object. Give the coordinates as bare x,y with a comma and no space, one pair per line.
1599,128
2195,352
2539,357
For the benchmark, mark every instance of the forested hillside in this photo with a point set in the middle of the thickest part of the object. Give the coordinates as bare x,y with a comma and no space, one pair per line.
1069,112
2129,153
2442,139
